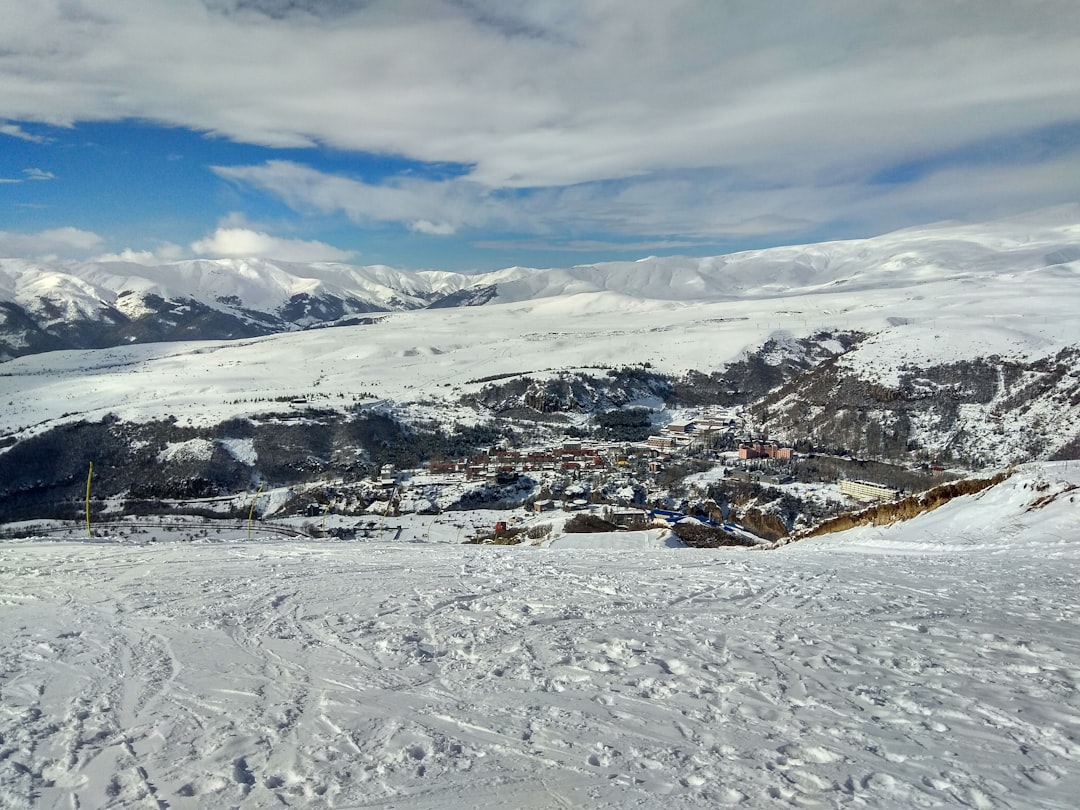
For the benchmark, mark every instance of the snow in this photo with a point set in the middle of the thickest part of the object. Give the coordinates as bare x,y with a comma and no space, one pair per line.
243,450
1036,509
191,450
927,664
181,664
1043,242
618,541
702,480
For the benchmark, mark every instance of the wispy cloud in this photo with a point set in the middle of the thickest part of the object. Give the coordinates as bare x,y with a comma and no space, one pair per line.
30,174
437,207
557,93
164,253
16,131
581,245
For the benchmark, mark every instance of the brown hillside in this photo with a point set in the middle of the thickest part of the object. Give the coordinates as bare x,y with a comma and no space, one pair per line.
882,514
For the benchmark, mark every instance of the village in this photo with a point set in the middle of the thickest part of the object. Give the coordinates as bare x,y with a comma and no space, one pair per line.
664,480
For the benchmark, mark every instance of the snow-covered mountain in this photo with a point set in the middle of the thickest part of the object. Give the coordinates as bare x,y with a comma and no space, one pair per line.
48,306
94,305
949,345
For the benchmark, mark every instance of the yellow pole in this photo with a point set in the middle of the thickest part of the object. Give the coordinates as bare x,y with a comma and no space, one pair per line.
251,511
89,475
327,509
386,512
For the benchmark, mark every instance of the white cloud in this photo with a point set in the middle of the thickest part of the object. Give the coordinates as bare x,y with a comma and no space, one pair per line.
432,228
583,245
164,253
30,174
703,205
228,242
52,243
426,206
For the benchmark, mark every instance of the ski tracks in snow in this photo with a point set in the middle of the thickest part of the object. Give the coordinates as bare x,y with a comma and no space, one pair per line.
350,675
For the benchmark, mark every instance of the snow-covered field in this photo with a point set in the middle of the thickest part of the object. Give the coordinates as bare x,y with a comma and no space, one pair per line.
930,664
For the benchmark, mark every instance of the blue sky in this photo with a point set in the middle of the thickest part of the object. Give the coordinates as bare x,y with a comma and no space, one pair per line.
477,134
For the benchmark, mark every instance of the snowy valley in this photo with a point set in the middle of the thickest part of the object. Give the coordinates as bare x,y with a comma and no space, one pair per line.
261,594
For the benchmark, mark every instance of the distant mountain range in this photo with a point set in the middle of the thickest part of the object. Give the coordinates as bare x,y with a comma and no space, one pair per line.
46,306
952,346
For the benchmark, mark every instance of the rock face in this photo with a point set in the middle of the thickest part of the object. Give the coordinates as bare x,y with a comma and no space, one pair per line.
984,412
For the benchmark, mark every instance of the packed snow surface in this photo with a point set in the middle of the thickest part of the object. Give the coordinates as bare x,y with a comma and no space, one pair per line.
928,664
613,541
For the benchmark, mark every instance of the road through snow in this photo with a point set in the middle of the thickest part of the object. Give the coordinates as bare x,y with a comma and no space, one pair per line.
272,674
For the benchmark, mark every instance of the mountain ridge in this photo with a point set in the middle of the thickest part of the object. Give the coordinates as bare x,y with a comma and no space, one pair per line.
68,305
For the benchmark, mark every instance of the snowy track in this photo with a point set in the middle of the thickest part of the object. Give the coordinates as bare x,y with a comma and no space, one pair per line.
356,675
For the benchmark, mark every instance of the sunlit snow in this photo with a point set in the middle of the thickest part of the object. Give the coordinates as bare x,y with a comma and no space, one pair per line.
933,663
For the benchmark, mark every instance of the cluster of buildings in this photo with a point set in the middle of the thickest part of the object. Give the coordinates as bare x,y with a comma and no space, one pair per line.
570,457
588,457
694,434
594,463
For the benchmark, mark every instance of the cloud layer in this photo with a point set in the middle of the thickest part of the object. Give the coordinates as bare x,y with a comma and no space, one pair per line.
687,118
51,243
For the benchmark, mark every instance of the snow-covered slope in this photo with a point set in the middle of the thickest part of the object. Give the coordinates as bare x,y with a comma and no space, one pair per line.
930,664
1035,511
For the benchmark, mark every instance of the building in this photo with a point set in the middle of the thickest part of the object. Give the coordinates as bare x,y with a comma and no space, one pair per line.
627,518
749,450
715,425
867,491
662,443
679,427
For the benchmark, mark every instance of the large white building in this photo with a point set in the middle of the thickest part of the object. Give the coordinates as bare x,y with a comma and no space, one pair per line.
867,491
